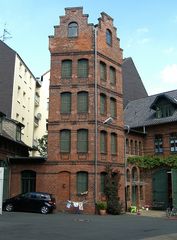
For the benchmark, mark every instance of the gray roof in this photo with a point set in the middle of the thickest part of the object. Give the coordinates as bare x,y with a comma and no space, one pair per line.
141,112
133,87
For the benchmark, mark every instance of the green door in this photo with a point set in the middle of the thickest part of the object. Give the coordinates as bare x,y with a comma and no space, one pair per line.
134,194
160,189
174,187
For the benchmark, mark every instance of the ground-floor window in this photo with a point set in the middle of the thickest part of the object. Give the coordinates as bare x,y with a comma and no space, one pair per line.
28,181
82,182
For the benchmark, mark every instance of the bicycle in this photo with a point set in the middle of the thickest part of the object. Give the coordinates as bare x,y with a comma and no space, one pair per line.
171,212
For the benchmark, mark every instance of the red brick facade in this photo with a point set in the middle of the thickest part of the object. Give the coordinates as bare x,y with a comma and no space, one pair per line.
143,184
66,166
59,173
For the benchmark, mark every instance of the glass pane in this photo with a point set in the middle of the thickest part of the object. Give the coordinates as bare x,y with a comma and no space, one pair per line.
65,136
108,37
102,71
103,147
102,104
66,103
82,141
113,143
66,69
112,75
113,107
28,180
82,182
72,30
82,102
83,68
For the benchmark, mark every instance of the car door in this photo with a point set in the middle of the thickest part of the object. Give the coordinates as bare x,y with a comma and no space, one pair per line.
34,202
21,202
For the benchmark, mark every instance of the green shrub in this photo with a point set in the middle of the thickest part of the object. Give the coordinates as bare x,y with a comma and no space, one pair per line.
101,205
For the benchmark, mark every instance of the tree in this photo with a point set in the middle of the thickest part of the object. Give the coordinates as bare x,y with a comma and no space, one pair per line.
111,191
42,145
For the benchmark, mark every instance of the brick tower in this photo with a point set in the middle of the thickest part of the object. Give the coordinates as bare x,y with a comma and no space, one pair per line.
85,125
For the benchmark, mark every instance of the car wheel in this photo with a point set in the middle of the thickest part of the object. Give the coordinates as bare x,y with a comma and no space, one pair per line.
44,210
9,207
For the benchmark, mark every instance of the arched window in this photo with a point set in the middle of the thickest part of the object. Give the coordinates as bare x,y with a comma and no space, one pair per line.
103,142
82,182
82,70
128,175
28,181
128,193
136,148
66,69
82,141
103,107
66,102
65,141
73,29
108,37
113,143
134,174
82,102
127,146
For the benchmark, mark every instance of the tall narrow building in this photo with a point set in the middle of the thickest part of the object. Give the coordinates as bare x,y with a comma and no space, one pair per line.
85,125
22,96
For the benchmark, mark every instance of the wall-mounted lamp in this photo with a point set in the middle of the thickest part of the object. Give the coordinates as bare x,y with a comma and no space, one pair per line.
109,120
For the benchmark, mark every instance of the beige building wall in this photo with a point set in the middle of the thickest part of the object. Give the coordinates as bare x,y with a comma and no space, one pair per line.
23,99
41,108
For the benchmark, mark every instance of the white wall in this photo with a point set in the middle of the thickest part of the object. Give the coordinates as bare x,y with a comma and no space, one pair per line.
23,99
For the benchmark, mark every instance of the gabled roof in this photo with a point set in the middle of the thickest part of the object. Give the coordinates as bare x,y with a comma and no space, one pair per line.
139,113
132,84
163,96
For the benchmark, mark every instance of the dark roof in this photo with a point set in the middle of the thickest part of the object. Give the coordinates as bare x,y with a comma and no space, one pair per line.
133,87
5,135
139,113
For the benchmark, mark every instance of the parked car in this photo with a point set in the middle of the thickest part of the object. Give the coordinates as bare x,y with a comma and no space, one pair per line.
31,202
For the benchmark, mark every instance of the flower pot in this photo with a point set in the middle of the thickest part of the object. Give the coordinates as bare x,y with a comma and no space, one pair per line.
102,211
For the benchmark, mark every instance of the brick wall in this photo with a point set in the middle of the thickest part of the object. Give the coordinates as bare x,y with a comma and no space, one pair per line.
62,47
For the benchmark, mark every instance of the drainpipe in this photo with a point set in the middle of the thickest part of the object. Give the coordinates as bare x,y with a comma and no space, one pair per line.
125,163
96,113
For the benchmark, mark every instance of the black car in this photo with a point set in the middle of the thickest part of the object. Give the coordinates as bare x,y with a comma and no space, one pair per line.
31,202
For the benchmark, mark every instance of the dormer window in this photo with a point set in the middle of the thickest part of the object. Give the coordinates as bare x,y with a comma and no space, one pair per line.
164,106
73,29
164,110
108,37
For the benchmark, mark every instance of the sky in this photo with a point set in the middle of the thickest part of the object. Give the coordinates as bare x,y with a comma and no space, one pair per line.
147,30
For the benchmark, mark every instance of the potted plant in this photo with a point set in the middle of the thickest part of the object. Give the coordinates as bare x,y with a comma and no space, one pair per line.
102,207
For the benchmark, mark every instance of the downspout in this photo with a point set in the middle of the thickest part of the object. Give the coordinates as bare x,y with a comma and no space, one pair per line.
96,112
125,162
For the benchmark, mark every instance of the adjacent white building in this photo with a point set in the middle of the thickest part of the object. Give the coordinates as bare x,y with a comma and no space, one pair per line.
23,97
